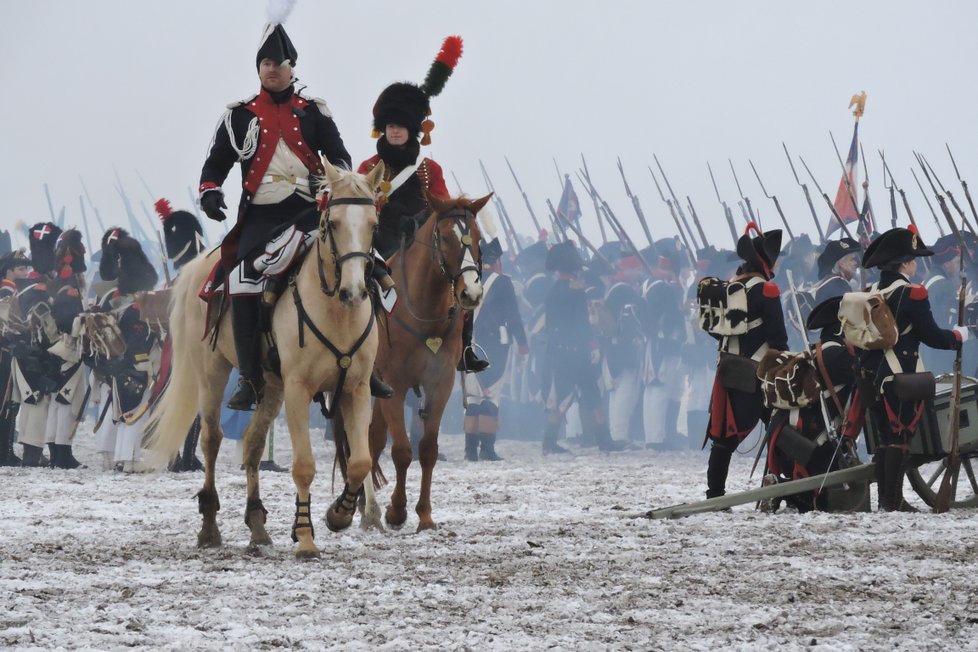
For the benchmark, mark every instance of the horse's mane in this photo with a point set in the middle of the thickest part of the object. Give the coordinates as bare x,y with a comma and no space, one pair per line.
355,184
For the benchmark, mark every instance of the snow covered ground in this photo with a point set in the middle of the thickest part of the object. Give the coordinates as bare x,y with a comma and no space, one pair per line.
532,553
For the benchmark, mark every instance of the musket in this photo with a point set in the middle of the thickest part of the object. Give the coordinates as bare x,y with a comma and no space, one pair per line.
501,209
679,207
954,202
750,209
696,220
965,252
726,209
613,220
88,235
560,232
47,194
457,184
773,198
88,198
828,201
526,199
577,231
560,177
892,189
636,205
964,184
597,212
137,230
849,190
903,195
675,219
950,479
164,258
923,192
808,196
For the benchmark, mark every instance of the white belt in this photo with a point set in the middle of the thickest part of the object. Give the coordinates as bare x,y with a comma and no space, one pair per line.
295,181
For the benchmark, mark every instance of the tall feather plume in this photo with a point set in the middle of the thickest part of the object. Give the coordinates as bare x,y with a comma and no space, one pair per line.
443,65
278,11
163,208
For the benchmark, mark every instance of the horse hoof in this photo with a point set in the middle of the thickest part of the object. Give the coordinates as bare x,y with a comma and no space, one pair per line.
209,538
395,519
262,540
372,522
338,521
427,526
307,555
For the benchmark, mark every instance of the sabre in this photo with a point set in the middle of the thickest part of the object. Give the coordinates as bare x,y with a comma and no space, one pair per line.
636,205
964,184
526,200
828,201
678,205
773,198
727,213
597,212
749,209
808,196
954,202
675,219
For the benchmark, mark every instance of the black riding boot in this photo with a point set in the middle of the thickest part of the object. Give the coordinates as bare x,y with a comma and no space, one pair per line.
472,446
470,362
9,425
245,319
54,455
895,461
32,455
6,445
716,471
378,388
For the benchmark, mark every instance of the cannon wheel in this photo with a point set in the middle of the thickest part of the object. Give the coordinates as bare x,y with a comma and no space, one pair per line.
926,480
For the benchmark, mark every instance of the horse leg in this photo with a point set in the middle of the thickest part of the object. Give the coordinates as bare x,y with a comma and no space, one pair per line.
393,410
355,411
254,438
435,401
377,439
211,436
297,400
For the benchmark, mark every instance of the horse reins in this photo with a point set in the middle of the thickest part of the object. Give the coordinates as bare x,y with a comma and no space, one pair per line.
326,233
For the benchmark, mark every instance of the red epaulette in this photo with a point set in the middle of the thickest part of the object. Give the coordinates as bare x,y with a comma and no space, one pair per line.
771,290
918,292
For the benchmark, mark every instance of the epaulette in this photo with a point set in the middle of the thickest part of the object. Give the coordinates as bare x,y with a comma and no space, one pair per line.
318,101
771,290
234,105
918,292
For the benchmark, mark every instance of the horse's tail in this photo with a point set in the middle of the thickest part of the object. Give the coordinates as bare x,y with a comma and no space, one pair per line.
177,408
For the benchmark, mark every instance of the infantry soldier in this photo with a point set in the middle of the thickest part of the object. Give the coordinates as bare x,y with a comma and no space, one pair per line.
14,266
497,326
837,265
736,404
277,136
942,292
895,253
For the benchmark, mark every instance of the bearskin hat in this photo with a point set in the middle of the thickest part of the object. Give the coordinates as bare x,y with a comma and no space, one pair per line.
182,233
108,264
69,253
407,104
43,237
897,245
761,251
136,273
564,257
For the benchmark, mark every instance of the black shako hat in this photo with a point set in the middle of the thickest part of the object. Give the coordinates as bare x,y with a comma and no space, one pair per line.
897,245
824,314
835,250
761,251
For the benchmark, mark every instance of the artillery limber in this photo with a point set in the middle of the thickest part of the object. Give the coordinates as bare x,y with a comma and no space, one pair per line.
847,489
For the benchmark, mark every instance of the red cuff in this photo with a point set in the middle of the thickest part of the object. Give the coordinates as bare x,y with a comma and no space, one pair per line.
957,336
208,185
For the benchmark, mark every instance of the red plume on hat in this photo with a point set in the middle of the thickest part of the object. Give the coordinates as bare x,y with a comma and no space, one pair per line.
163,209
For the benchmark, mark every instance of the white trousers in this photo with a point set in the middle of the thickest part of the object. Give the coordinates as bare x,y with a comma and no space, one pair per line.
105,436
623,399
60,424
32,421
657,396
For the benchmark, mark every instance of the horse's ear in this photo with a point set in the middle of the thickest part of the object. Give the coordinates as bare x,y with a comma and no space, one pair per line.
332,174
438,204
478,204
376,176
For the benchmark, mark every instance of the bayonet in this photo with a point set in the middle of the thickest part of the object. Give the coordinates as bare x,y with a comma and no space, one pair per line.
526,200
964,184
501,209
808,196
954,202
636,205
597,212
828,201
678,205
773,198
727,213
965,252
746,206
675,219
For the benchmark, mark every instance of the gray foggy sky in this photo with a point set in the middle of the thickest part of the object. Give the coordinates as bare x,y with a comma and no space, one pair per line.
141,85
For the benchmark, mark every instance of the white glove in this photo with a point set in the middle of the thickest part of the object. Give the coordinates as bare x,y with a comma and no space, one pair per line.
962,331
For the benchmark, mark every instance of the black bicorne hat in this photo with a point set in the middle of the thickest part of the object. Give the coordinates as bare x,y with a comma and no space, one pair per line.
13,259
835,250
42,237
564,257
491,251
761,251
276,45
824,314
897,245
946,248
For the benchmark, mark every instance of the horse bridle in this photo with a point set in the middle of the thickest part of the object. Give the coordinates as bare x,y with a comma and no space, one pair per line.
326,233
461,218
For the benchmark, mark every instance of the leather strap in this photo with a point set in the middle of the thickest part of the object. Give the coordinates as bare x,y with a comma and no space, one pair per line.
823,372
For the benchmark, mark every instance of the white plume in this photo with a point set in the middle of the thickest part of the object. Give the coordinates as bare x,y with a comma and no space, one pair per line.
487,220
279,10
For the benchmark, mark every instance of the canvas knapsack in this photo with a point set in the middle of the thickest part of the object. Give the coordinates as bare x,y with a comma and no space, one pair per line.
788,380
723,305
867,321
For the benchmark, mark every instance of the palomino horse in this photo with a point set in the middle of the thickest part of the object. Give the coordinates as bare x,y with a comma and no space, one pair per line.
328,296
438,277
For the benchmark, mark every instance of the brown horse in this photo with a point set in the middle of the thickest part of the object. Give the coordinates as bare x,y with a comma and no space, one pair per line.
438,278
327,341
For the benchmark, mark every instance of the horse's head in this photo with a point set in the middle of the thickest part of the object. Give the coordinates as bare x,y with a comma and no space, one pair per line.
456,243
346,229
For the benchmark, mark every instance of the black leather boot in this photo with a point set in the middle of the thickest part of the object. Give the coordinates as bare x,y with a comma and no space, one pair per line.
472,447
895,461
470,362
487,447
716,471
245,320
9,425
32,455
550,445
378,388
66,458
879,472
54,455
188,459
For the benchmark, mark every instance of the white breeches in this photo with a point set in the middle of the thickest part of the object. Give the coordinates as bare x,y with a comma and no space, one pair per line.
32,421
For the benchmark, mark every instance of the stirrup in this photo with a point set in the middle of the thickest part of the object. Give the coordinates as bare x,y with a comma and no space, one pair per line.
470,362
245,396
378,388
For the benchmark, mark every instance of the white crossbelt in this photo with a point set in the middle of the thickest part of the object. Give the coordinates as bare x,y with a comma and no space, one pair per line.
295,181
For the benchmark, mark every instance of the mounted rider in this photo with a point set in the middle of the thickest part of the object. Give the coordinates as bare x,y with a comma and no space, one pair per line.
277,135
400,117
